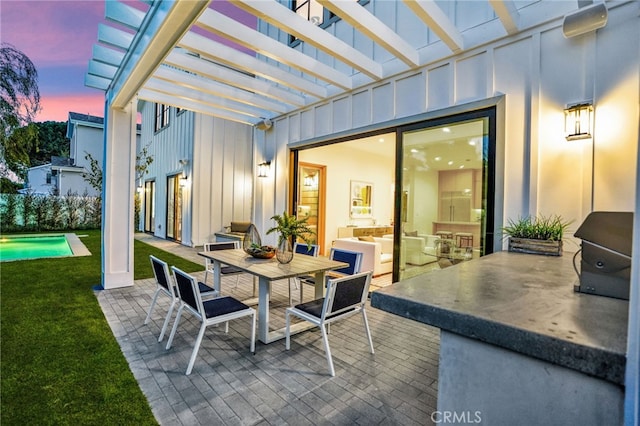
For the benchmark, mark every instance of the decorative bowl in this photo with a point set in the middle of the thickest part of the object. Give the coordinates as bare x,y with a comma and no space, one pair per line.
262,252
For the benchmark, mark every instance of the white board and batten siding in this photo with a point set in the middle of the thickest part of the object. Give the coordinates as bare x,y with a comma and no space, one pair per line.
536,73
219,184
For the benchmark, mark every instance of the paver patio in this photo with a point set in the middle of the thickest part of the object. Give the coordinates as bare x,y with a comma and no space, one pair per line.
230,386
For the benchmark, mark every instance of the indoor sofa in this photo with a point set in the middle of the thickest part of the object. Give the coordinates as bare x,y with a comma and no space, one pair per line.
377,253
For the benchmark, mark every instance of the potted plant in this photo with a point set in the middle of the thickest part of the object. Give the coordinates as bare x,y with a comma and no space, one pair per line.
290,228
536,235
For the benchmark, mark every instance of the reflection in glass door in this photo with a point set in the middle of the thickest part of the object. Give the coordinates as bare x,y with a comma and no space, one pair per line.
444,195
174,208
149,206
311,198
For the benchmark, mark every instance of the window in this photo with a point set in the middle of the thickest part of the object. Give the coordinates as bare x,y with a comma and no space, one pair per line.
310,10
49,177
161,116
313,11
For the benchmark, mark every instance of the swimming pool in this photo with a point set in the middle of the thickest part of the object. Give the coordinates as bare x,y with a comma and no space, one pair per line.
36,246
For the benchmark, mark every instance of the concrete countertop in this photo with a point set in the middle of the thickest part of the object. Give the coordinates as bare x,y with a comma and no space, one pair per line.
521,302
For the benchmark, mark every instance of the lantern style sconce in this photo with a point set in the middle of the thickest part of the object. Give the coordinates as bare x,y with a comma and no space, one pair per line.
577,121
183,176
263,169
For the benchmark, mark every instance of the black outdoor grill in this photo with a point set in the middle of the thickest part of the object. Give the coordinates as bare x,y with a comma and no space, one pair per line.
606,254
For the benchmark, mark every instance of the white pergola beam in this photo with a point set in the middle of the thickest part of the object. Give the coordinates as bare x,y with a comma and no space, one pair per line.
114,37
235,59
101,69
96,82
215,79
198,86
106,55
195,95
123,14
429,12
230,29
164,24
507,13
161,98
368,24
287,20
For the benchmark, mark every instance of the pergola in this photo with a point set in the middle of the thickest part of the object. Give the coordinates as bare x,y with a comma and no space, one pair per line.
176,55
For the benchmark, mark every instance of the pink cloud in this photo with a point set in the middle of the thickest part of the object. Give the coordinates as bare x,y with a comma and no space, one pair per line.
52,32
57,108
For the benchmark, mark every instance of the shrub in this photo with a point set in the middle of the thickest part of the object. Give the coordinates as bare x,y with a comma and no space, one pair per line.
9,213
41,211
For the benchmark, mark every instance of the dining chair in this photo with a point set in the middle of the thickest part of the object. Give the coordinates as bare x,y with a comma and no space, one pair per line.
353,258
164,285
209,312
224,269
346,296
308,250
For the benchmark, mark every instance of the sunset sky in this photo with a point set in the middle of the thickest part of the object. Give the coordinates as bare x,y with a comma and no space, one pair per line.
58,37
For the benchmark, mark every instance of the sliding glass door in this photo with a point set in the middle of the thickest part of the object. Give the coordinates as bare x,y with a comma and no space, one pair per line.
444,200
149,206
174,208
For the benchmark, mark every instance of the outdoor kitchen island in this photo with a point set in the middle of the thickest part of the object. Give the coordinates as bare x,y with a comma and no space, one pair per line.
517,344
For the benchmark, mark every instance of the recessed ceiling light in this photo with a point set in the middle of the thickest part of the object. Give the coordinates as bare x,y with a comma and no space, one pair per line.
414,150
461,167
381,140
450,163
446,130
438,158
472,142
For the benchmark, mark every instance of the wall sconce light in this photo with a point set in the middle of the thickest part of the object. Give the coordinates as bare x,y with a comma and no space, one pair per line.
577,121
183,179
263,169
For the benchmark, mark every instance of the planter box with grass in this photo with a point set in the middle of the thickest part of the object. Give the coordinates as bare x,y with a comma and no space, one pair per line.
532,246
537,235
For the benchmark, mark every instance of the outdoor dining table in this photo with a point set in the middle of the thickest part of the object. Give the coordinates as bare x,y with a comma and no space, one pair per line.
268,270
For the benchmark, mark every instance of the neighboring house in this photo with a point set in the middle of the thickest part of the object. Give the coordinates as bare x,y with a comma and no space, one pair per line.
63,175
40,180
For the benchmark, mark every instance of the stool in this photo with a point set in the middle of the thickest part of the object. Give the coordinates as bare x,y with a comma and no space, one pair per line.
445,235
464,239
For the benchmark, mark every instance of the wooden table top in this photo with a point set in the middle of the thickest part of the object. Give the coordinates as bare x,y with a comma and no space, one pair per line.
271,269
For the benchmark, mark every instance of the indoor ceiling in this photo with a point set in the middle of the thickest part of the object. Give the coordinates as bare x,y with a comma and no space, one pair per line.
180,53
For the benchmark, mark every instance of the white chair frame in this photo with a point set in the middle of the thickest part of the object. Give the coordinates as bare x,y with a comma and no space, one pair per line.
339,303
298,248
164,285
191,300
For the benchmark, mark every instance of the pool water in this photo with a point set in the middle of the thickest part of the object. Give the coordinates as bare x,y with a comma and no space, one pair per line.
33,247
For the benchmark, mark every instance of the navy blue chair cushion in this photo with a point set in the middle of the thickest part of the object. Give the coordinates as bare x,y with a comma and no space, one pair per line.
222,306
204,288
229,270
347,257
160,273
313,308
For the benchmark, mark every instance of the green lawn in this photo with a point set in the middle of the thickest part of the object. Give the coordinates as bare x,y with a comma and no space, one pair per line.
60,362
